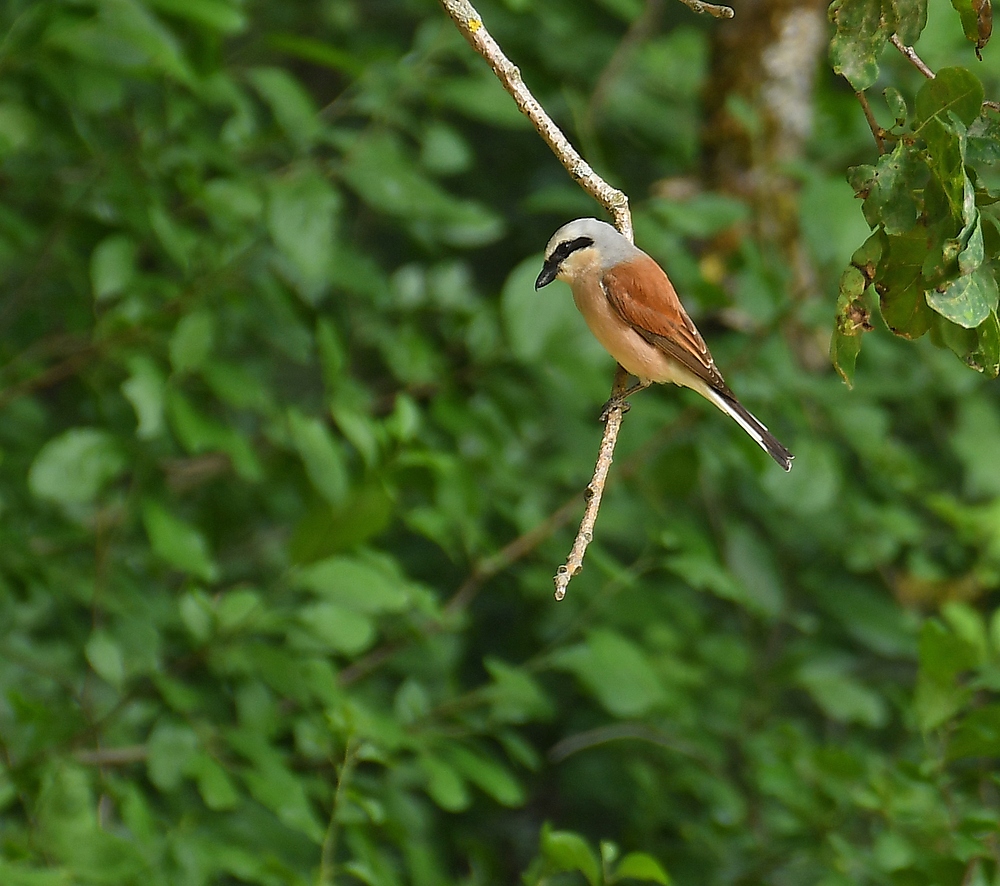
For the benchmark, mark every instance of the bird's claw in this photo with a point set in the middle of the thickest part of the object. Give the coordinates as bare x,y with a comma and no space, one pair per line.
614,403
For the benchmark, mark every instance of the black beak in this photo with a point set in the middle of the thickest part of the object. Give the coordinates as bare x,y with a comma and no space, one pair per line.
548,274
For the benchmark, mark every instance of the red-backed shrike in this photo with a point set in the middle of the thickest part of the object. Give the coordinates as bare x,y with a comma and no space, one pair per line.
631,307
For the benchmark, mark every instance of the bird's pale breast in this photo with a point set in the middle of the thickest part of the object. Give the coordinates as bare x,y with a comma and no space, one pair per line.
619,339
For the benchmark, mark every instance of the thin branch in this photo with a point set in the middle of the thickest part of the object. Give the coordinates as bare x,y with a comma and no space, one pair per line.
123,756
710,8
509,554
470,23
328,854
595,491
911,54
877,130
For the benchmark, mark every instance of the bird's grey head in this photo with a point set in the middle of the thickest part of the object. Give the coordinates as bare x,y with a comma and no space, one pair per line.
581,245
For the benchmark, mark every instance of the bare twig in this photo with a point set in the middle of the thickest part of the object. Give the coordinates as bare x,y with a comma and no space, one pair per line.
911,54
328,856
470,23
510,553
710,8
877,130
123,756
595,491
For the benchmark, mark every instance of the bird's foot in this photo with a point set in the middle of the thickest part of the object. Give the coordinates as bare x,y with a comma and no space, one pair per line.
614,403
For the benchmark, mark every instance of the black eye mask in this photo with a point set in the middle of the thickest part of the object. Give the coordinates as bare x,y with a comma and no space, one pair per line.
563,251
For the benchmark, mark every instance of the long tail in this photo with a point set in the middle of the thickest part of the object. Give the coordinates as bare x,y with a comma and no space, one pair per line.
755,428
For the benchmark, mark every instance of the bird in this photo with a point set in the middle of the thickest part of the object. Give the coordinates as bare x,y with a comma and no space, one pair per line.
633,310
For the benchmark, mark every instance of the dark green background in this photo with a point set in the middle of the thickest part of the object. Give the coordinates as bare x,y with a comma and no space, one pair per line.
276,389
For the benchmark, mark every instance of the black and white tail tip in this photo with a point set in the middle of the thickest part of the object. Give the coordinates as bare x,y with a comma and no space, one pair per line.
754,427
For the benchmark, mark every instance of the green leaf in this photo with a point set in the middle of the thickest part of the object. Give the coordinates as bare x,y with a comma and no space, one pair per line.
387,178
974,251
640,866
106,658
752,563
171,748
946,159
911,19
567,851
145,390
289,102
324,530
977,735
18,127
514,694
488,775
317,52
615,670
444,785
955,90
890,201
897,104
841,697
301,212
236,609
74,467
219,15
112,266
277,788
340,629
444,151
970,627
862,32
197,615
321,455
192,341
199,433
124,36
987,355
850,322
901,286
178,543
214,784
943,655
968,301
977,21
356,584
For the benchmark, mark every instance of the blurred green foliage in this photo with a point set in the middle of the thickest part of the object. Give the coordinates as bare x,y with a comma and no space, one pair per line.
931,198
275,391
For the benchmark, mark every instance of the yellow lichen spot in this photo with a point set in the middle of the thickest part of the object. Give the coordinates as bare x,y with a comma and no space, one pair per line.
475,24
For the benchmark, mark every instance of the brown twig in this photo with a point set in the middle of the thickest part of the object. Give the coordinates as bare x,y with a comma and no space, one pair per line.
911,54
877,130
470,23
713,10
124,756
509,554
595,490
